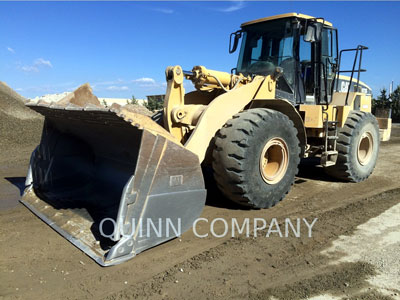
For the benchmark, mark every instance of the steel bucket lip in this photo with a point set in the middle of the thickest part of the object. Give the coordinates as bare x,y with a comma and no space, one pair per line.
158,137
76,242
100,259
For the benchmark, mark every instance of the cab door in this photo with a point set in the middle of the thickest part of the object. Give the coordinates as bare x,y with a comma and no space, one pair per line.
328,63
318,64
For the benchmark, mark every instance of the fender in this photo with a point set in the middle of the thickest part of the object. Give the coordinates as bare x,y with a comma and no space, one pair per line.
289,110
221,109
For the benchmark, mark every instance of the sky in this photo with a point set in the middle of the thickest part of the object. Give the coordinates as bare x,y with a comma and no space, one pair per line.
123,48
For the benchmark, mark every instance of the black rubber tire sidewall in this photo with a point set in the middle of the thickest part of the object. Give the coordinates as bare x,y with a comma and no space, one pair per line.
348,167
361,172
264,194
246,185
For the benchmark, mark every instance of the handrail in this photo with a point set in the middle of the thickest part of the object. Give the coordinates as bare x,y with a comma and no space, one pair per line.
359,49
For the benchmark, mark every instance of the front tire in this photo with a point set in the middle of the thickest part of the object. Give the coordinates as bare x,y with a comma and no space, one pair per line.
256,156
358,147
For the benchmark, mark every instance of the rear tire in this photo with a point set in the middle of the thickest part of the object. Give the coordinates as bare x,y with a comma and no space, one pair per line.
255,157
358,147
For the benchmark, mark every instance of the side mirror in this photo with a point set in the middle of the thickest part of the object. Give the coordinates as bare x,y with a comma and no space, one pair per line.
235,36
313,32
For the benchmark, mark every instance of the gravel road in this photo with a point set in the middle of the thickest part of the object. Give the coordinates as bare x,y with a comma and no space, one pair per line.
353,252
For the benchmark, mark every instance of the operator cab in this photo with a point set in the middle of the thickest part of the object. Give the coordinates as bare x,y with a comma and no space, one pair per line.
303,47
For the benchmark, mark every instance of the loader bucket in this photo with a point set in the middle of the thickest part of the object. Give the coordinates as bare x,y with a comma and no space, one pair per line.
112,182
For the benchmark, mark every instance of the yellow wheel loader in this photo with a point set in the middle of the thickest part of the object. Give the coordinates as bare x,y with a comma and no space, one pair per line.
101,173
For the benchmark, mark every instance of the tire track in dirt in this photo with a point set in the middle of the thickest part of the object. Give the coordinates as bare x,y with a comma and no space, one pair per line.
291,268
45,265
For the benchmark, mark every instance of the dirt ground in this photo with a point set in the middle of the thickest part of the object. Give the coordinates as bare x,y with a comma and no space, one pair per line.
37,263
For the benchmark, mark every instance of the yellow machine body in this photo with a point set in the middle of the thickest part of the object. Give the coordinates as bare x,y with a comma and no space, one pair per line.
97,164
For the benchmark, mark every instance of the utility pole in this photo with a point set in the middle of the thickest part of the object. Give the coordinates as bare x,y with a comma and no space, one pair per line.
390,90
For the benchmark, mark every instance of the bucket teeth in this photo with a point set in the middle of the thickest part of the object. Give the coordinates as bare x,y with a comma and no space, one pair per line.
54,105
43,103
92,107
72,106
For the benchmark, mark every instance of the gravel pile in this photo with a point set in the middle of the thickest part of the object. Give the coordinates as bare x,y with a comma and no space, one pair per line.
51,97
139,109
19,126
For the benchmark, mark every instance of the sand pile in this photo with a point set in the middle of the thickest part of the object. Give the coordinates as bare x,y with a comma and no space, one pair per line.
12,104
51,97
19,125
140,109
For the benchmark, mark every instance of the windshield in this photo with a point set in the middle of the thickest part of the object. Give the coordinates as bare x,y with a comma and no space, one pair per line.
266,46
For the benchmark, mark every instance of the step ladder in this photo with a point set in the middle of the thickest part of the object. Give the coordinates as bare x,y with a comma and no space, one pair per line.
329,153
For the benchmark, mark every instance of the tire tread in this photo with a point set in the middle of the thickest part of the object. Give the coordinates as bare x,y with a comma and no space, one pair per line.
231,143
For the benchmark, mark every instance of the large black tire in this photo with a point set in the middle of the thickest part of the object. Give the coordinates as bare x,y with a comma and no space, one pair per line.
354,162
238,157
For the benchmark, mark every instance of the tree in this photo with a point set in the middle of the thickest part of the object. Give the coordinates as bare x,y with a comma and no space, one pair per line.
133,101
382,101
391,101
395,105
155,102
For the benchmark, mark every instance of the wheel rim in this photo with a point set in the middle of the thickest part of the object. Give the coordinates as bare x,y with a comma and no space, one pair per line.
365,148
274,160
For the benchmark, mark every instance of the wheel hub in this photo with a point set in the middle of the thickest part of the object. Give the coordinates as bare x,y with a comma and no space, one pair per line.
365,148
274,160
